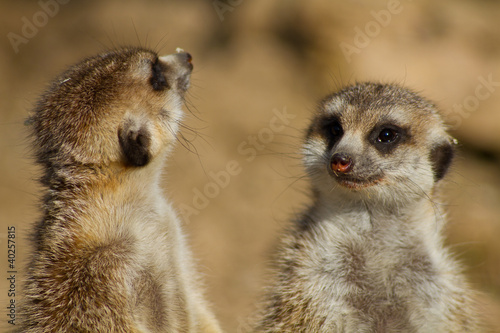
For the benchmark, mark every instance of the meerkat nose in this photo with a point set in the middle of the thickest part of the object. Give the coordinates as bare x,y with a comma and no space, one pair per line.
180,58
188,56
341,163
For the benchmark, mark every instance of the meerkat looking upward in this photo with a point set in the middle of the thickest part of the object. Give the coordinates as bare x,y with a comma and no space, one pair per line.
109,254
368,255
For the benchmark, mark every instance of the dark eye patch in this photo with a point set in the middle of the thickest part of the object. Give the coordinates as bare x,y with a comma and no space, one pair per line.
158,80
386,137
332,130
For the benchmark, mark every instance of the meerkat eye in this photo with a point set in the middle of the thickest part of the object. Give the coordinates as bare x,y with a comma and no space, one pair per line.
332,130
387,135
336,129
158,80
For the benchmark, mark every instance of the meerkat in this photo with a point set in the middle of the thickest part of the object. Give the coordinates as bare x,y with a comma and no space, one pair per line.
368,254
109,253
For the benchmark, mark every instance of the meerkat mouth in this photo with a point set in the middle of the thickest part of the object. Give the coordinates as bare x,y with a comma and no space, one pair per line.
354,183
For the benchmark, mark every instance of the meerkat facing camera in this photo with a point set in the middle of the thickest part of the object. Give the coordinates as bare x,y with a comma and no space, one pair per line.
109,253
368,255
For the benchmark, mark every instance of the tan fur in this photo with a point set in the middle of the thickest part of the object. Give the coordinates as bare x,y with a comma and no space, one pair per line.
368,255
109,252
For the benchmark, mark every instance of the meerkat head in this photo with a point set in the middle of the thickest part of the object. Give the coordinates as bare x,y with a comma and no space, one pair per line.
377,142
123,106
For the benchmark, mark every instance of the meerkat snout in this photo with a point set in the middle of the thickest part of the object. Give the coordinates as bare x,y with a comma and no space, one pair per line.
181,63
341,163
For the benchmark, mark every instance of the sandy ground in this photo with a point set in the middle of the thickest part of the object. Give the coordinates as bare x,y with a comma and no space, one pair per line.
253,61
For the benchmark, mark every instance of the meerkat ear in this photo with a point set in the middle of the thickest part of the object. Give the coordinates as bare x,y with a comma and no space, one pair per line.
441,156
135,144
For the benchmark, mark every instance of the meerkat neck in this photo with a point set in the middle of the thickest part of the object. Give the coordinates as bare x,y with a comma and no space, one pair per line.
89,199
78,177
422,215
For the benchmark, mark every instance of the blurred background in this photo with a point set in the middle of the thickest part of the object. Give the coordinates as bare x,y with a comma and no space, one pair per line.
259,69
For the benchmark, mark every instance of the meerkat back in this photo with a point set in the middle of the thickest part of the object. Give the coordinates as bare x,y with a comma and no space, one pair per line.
368,255
109,253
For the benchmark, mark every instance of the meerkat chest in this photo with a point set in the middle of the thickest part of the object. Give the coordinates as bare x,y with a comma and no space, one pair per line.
366,276
156,229
140,215
366,262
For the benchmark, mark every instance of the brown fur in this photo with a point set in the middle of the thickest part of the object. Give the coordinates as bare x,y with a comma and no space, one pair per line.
109,254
